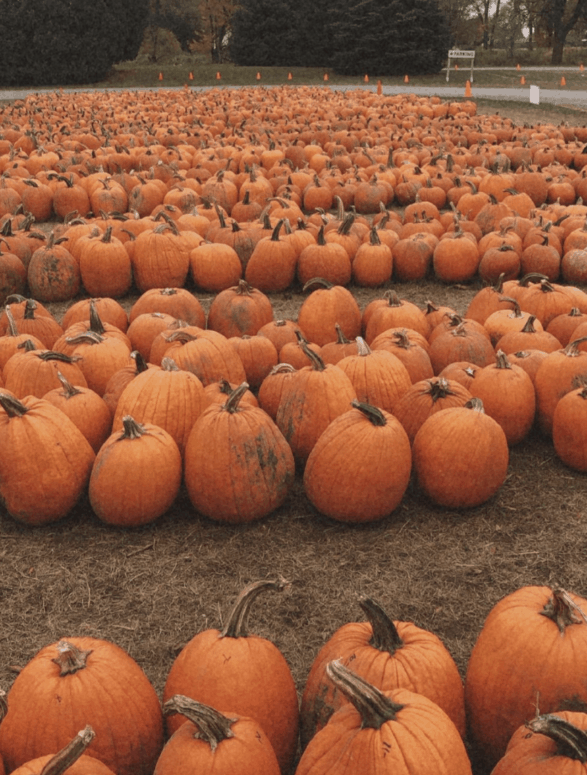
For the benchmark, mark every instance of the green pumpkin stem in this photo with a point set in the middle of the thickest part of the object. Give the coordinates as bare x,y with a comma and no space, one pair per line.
63,760
213,726
571,742
235,626
372,705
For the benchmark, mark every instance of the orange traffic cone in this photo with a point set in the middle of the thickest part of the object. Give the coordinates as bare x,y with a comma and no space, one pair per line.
406,79
379,89
563,81
518,66
289,76
218,76
160,76
581,67
456,66
325,76
366,79
258,76
468,92
523,80
191,76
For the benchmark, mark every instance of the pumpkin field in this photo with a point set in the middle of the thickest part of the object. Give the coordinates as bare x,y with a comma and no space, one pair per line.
275,361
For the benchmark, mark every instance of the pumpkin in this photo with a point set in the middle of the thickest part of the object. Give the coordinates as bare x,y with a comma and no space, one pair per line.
91,679
230,668
378,376
508,396
272,265
165,396
389,654
214,742
369,484
238,310
161,258
460,456
530,651
314,396
569,429
242,441
326,306
397,732
550,742
45,461
35,372
177,302
556,376
53,274
85,408
136,475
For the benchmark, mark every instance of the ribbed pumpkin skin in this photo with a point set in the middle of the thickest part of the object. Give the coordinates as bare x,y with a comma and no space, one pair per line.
249,752
460,457
569,429
369,482
422,665
111,693
531,753
237,465
45,463
171,399
421,740
521,658
161,259
311,400
135,478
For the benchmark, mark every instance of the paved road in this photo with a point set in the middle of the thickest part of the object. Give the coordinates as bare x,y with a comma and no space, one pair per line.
575,98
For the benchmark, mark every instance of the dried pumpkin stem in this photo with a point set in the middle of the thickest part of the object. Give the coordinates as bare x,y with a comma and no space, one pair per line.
69,658
562,610
213,726
235,626
63,760
571,742
373,706
385,635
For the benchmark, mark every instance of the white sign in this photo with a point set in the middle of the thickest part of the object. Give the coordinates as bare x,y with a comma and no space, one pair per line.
535,95
457,53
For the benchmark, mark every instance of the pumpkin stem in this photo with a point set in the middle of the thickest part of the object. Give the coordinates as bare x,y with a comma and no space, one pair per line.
232,402
12,406
69,390
373,706
235,627
562,611
132,428
67,756
213,726
385,635
571,741
69,658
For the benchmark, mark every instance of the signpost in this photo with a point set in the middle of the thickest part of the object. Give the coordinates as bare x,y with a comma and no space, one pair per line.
457,53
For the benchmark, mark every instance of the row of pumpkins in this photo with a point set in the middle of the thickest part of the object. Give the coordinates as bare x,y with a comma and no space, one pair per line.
246,185
381,696
232,403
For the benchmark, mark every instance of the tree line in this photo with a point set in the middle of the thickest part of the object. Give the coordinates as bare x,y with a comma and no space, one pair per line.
47,42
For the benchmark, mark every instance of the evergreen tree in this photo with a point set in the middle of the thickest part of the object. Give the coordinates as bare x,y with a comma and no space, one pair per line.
287,33
60,42
389,37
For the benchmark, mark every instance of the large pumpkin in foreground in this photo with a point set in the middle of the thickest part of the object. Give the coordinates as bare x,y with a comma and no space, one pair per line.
379,733
532,652
241,673
79,681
